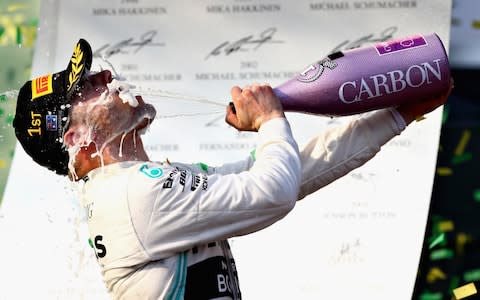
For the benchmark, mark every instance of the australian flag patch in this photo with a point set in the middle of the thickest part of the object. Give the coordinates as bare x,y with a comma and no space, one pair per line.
51,122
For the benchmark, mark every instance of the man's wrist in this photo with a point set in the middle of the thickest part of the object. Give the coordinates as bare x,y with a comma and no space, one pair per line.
262,120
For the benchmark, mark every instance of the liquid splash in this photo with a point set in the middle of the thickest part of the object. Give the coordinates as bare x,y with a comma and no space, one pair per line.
7,108
156,95
162,94
12,94
97,115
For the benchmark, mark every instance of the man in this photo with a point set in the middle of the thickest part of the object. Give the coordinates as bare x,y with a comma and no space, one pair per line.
160,229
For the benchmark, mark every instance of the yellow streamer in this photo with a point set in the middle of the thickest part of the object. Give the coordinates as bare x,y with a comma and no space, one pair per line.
444,171
465,291
460,149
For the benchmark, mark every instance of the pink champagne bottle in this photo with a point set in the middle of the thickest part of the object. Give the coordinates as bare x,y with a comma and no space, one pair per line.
384,75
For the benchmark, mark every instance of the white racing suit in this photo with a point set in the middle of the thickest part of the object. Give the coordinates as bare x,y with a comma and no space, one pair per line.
160,230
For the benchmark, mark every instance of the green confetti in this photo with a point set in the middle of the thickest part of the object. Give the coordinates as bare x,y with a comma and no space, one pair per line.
454,283
3,98
437,240
457,159
90,243
33,23
19,36
441,254
446,111
2,30
10,118
1,112
476,195
11,75
253,154
203,166
472,275
431,296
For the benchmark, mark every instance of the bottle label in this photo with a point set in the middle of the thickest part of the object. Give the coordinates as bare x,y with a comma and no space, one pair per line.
401,44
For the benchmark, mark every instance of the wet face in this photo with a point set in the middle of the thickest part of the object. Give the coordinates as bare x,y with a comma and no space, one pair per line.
103,109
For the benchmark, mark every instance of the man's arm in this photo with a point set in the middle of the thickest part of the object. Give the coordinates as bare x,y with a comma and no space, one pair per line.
330,156
334,152
191,209
337,151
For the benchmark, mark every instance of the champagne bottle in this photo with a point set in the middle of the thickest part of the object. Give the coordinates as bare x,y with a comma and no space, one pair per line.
384,75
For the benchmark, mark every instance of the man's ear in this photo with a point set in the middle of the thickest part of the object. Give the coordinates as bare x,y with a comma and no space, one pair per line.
76,136
68,138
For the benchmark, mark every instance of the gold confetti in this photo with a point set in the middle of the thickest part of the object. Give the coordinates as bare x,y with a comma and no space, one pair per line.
435,274
460,149
444,171
15,7
3,164
476,24
446,226
460,242
419,118
465,291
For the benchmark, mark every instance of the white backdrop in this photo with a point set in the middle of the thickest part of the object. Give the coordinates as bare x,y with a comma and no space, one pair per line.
358,238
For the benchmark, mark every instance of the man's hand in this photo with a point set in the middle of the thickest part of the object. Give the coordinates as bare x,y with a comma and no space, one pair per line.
416,110
254,105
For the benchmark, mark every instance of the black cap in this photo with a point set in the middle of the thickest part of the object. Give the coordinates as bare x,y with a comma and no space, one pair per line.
42,113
